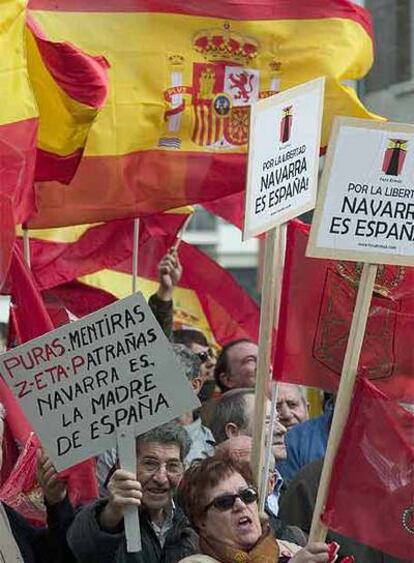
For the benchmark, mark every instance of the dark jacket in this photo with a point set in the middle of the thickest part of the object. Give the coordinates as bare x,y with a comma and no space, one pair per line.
163,312
297,508
43,545
283,532
91,544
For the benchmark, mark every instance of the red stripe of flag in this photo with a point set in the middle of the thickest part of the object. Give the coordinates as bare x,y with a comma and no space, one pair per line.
228,9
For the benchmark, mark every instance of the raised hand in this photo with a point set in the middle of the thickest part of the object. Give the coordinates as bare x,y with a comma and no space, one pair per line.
54,489
169,274
124,490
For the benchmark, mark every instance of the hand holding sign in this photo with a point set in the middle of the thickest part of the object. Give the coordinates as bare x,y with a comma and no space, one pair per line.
124,490
54,489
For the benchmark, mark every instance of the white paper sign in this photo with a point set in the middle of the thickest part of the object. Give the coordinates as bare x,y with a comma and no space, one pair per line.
282,174
81,382
365,208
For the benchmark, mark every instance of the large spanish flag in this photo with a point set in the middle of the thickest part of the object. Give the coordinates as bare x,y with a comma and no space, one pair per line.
183,75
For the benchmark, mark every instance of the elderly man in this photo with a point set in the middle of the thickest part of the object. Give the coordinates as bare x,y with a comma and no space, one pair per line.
97,533
236,365
234,416
292,406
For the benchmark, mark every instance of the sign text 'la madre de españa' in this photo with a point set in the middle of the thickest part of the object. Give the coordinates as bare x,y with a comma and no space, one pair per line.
81,382
285,132
366,206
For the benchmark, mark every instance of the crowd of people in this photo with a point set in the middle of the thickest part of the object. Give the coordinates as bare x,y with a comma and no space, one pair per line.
197,498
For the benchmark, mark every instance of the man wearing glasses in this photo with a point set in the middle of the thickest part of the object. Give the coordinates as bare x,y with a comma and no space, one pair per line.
97,534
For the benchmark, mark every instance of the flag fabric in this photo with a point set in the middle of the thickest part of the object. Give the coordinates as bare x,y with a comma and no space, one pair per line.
70,87
18,129
371,494
318,298
22,492
183,75
51,93
62,255
29,319
207,298
82,276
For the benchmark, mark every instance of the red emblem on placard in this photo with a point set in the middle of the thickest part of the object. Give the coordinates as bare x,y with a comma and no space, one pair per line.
394,157
285,128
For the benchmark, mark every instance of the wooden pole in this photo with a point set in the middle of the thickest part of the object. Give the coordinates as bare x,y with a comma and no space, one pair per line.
135,250
268,451
128,462
26,247
182,231
267,310
344,397
280,265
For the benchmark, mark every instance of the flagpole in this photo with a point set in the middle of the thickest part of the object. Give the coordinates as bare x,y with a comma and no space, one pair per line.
26,246
280,264
267,314
344,397
135,248
182,231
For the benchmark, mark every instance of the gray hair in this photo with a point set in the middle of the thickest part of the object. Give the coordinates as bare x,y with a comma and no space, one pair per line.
230,408
169,433
189,362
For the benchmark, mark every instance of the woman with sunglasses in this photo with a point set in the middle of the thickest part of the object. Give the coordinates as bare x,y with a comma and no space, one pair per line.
221,503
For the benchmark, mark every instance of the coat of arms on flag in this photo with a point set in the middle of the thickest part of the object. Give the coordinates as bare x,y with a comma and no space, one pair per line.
222,89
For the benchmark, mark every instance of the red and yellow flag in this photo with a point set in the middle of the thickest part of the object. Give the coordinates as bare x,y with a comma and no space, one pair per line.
183,75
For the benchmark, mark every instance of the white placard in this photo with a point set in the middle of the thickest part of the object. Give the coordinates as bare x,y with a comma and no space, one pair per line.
365,209
81,382
284,142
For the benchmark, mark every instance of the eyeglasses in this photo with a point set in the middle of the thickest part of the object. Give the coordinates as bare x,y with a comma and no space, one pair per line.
204,356
152,466
226,501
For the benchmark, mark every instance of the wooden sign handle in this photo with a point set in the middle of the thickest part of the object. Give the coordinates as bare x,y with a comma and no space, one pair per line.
344,397
128,461
272,273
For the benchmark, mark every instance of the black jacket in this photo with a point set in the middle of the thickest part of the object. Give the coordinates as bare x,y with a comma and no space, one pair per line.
91,544
43,545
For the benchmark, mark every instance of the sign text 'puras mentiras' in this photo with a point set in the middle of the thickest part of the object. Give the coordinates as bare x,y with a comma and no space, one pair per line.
282,175
78,384
365,208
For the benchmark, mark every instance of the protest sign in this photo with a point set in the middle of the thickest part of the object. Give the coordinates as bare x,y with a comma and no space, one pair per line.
365,208
77,385
365,212
282,172
282,177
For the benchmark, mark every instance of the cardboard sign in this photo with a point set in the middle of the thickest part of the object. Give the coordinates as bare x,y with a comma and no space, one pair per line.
282,173
79,383
365,209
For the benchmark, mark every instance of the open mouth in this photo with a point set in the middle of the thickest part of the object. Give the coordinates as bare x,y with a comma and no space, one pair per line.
244,523
157,492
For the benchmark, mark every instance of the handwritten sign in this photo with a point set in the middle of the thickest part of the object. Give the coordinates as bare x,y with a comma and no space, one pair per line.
282,174
79,383
365,209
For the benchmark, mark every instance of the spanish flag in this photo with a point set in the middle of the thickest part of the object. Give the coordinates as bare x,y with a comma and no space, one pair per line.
51,94
183,76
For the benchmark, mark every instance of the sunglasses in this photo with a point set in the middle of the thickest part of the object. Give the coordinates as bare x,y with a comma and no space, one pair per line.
204,356
226,501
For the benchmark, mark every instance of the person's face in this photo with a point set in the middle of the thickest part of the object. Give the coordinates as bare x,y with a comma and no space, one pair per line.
159,470
279,431
239,527
208,364
291,407
241,361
